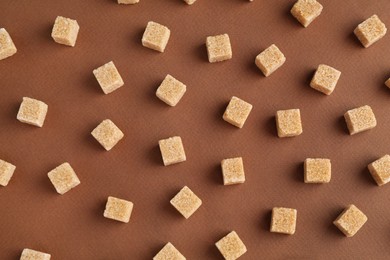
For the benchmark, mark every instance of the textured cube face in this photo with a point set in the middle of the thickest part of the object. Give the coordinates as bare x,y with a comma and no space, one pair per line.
63,178
325,79
65,31
351,220
233,171
317,170
172,150
6,171
370,31
288,122
360,119
270,60
190,2
305,11
237,112
156,36
29,254
218,48
169,252
231,246
32,112
283,220
107,134
171,90
118,209
186,202
7,46
108,77
131,2
380,170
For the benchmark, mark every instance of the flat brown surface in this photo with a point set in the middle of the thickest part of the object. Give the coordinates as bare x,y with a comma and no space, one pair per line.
72,226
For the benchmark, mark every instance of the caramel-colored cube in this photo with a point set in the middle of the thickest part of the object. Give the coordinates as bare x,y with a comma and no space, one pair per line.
108,77
118,209
169,252
65,31
190,2
325,79
171,90
305,11
172,150
270,60
219,48
231,246
380,170
288,122
127,2
32,112
360,119
107,134
6,171
370,31
283,220
63,178
7,46
237,112
156,36
29,254
350,221
387,83
317,170
186,202
233,171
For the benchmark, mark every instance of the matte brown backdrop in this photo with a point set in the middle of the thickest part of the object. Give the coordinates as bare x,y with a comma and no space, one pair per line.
72,226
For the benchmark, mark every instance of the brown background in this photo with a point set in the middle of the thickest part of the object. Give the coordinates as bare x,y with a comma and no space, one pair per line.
72,226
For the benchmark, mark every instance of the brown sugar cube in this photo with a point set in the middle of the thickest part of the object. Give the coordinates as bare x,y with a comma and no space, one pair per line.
108,77
169,252
29,254
350,220
171,90
231,246
6,171
63,178
65,31
237,112
118,209
325,79
288,122
107,134
270,60
317,170
172,150
218,48
186,202
233,171
380,170
190,2
32,112
131,2
156,36
360,119
7,46
305,11
283,220
370,31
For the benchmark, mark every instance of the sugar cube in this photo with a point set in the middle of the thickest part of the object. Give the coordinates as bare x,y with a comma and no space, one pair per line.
270,60
380,170
288,122
283,220
169,252
360,119
65,31
218,48
231,246
6,171
32,112
131,2
107,134
108,77
29,254
190,2
351,220
237,112
172,150
233,171
118,209
7,46
171,90
325,79
63,178
317,170
186,202
156,36
370,31
387,83
305,11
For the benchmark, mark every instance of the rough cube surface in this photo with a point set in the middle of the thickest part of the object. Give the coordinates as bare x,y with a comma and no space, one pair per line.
231,246
288,122
6,171
233,171
186,202
370,31
131,2
305,11
380,170
65,31
32,112
108,77
360,119
283,220
270,60
219,48
190,2
237,112
169,252
317,170
7,46
387,83
156,36
171,90
118,209
325,79
172,150
63,178
107,134
350,220
29,254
